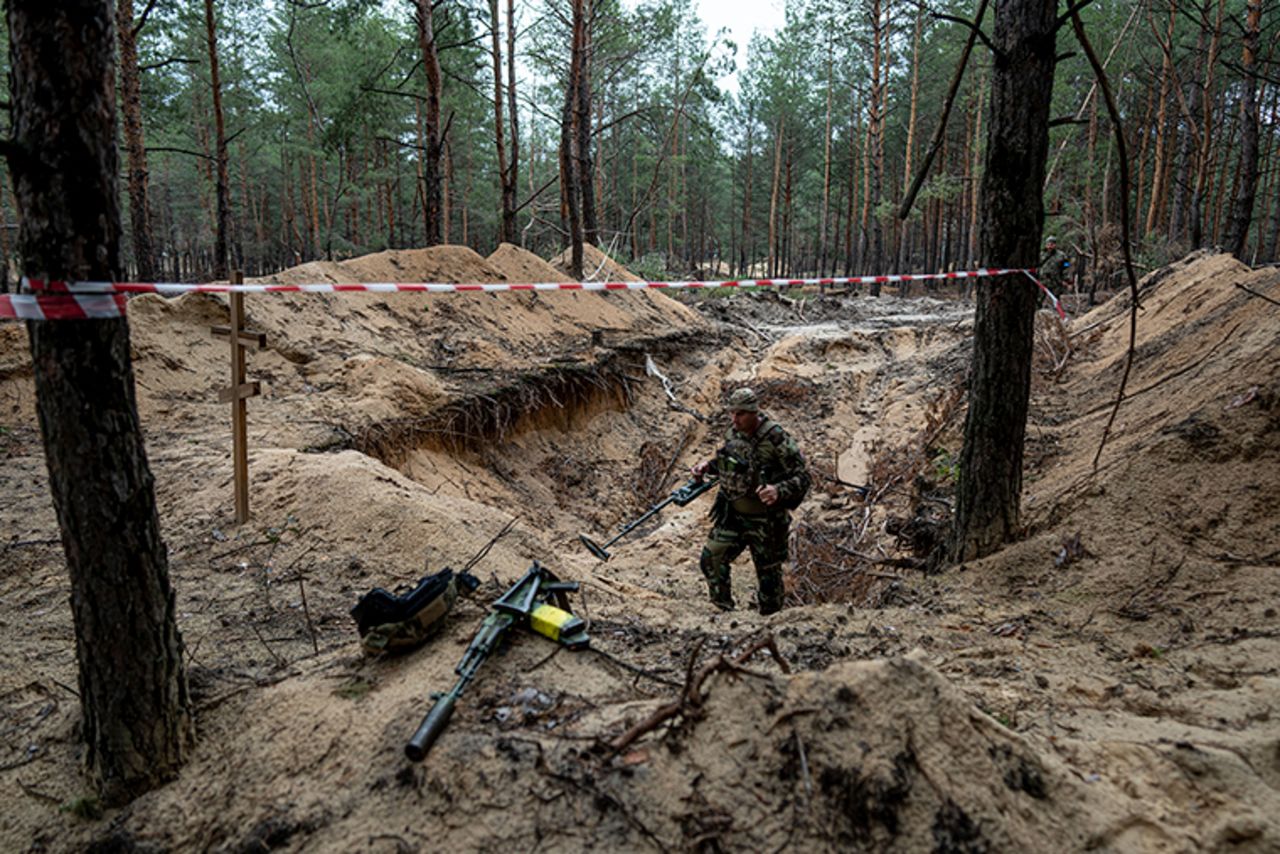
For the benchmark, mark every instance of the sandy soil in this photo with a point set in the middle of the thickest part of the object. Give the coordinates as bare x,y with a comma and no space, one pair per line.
1107,683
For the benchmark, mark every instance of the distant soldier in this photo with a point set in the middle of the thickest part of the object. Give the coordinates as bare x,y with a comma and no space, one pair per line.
1053,268
762,477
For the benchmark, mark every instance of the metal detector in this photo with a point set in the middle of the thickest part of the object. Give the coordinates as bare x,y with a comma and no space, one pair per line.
680,497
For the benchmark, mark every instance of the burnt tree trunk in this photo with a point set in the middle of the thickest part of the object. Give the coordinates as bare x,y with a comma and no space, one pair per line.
133,694
987,502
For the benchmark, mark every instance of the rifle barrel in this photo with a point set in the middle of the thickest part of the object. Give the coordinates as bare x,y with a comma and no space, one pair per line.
432,725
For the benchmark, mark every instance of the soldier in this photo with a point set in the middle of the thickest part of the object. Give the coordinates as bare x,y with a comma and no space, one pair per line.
1053,268
762,477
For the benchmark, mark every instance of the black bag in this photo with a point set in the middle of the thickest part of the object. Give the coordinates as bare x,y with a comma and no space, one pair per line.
411,615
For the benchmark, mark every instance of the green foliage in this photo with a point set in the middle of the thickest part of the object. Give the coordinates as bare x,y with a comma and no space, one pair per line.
323,112
946,467
88,808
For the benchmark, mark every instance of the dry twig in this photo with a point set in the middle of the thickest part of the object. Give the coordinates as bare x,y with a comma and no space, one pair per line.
689,703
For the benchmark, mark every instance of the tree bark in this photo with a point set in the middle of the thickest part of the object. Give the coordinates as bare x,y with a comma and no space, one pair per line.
1158,191
133,694
586,169
1247,185
433,196
826,157
987,501
506,176
223,191
744,256
1206,109
904,242
773,199
875,140
135,147
514,114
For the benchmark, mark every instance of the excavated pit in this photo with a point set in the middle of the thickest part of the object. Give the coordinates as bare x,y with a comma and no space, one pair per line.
1106,683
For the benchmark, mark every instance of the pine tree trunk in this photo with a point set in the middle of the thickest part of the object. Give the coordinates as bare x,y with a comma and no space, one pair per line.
133,694
826,165
135,147
433,196
572,176
904,232
446,192
987,501
1207,135
1161,167
1247,185
507,232
875,140
513,113
744,258
774,238
223,190
1146,129
852,197
586,169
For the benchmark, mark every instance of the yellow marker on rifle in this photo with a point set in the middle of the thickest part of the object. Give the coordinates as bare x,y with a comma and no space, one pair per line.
525,603
555,623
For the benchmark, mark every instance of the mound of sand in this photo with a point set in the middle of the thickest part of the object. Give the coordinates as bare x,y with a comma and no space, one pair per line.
596,266
522,265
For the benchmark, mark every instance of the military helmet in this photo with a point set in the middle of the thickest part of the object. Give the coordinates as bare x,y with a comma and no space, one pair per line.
743,400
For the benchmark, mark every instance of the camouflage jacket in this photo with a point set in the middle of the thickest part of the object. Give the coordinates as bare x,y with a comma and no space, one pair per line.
769,456
1053,271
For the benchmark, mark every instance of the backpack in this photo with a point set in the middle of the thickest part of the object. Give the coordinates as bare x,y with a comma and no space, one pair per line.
410,616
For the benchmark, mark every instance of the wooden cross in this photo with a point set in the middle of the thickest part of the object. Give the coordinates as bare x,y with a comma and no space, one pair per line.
238,394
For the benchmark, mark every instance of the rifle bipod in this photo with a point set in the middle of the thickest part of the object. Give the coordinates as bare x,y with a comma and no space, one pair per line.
680,496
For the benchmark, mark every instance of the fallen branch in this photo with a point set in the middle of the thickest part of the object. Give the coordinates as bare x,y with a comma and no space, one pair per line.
689,704
1256,294
651,369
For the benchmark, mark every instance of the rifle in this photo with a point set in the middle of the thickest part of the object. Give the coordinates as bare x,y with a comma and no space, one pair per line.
680,496
530,600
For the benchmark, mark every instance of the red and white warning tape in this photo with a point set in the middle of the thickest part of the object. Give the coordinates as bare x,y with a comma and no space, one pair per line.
61,307
59,300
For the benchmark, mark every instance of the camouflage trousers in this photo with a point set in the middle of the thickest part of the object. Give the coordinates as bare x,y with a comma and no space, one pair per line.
766,536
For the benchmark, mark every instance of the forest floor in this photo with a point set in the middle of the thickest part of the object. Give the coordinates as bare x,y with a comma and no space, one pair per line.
1109,682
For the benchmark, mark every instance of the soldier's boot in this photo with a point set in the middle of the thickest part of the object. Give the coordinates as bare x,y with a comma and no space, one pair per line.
716,571
770,593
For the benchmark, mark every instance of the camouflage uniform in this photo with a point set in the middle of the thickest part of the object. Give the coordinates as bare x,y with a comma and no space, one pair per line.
1053,271
742,521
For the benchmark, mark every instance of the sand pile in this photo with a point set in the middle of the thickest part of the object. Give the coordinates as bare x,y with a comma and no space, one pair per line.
596,266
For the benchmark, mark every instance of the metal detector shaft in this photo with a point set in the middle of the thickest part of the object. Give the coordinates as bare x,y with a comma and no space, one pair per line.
681,496
631,526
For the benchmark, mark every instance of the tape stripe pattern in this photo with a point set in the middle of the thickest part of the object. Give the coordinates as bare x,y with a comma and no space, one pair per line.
61,307
60,300
41,286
